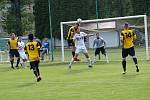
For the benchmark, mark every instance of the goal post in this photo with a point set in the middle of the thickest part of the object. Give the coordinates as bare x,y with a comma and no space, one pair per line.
107,19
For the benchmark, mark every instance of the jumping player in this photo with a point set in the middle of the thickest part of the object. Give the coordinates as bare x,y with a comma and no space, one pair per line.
80,47
70,36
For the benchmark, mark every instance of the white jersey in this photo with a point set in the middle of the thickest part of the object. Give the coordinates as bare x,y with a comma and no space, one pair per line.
21,46
79,40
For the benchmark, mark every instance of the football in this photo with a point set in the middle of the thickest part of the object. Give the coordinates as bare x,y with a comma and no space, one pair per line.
79,20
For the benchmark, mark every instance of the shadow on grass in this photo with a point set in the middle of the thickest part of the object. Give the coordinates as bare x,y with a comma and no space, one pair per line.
76,71
130,76
21,85
6,69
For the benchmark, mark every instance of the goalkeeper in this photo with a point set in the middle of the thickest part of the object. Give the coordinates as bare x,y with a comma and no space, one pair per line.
100,45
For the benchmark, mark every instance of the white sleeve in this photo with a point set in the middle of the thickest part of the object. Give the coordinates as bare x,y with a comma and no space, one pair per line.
23,44
84,34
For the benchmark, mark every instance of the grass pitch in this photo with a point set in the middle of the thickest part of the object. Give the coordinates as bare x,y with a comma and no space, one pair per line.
103,82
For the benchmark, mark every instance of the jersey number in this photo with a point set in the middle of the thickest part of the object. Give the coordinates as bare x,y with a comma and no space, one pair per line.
31,47
128,35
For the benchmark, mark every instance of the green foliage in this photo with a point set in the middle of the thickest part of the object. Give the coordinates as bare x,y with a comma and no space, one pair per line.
14,18
68,10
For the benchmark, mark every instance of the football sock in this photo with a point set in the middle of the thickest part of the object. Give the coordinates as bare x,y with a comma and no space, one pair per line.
35,73
18,60
99,57
73,53
106,58
38,71
12,62
89,61
124,65
95,59
135,60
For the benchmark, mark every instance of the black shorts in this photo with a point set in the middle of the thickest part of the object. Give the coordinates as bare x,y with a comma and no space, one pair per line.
34,64
102,49
129,51
71,42
13,53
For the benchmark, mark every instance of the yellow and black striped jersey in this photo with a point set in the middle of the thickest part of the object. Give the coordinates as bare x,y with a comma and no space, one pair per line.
71,33
128,36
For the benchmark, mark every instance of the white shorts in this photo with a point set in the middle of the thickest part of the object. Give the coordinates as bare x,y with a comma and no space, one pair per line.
83,50
23,55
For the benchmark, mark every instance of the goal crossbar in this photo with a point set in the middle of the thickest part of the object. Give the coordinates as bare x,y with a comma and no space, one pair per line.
107,19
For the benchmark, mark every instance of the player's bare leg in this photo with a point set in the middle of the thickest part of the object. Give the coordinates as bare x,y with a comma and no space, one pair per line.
106,57
73,53
94,61
73,59
89,60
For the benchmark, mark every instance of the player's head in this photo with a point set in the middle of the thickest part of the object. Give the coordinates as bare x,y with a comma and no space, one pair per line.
19,39
77,25
77,30
13,35
97,35
126,25
30,37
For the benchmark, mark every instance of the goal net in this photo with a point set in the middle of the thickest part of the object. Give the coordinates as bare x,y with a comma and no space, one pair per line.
109,29
4,56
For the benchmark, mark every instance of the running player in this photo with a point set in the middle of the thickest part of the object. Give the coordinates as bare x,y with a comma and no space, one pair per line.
21,51
33,50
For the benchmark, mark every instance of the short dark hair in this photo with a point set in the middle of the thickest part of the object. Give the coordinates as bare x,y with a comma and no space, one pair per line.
126,24
77,24
30,36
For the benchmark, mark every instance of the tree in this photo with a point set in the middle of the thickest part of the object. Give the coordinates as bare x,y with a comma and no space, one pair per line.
15,21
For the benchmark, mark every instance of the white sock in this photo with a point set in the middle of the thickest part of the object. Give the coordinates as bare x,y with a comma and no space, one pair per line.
89,61
106,57
94,59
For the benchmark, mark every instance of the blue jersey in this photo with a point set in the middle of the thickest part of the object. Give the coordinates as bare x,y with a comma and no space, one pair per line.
45,45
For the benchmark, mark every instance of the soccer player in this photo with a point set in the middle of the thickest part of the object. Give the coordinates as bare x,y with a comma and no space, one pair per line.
127,38
33,50
21,51
70,36
100,45
13,50
80,47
